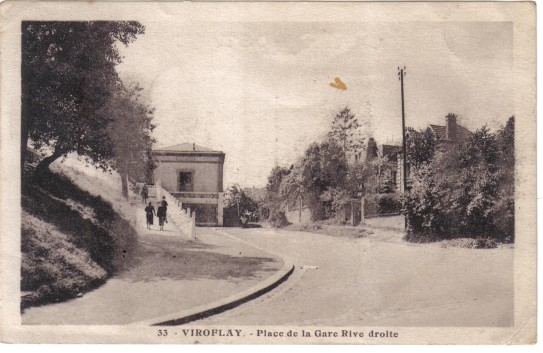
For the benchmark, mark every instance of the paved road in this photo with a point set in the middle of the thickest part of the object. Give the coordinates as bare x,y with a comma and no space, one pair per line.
378,280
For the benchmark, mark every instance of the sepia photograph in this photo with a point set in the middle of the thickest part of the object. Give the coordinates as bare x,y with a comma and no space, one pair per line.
279,173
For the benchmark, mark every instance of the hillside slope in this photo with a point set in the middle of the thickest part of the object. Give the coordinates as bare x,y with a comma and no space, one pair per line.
71,240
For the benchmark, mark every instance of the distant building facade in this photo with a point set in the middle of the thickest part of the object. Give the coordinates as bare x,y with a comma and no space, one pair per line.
194,176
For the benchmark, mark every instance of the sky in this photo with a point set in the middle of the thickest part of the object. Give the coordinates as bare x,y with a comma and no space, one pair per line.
259,91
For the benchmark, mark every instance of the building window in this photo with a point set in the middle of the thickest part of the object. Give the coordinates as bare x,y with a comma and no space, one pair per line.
394,178
186,181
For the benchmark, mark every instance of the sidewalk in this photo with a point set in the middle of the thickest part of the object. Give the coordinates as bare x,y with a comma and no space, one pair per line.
170,275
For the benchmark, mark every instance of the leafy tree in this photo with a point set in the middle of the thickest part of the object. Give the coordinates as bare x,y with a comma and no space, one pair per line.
369,178
274,200
345,131
467,190
235,197
292,187
421,147
477,182
275,178
323,167
335,198
505,218
372,151
68,76
361,180
426,206
129,132
384,182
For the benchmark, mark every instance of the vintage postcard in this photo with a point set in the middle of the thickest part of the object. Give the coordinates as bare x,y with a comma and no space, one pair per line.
268,172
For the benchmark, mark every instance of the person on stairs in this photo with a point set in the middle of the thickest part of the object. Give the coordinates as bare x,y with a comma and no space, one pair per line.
161,214
144,194
149,214
165,204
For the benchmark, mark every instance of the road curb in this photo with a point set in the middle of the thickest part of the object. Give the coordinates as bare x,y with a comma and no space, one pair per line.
222,305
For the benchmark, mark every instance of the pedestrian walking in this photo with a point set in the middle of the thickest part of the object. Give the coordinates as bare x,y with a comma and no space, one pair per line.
165,204
144,194
161,214
149,214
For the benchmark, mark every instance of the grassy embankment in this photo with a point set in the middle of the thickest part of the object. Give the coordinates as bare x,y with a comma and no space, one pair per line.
333,228
71,241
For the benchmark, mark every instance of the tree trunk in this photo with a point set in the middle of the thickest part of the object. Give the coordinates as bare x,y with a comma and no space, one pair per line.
300,208
362,210
124,185
43,166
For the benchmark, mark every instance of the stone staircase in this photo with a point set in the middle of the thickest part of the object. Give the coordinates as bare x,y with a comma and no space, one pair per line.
184,219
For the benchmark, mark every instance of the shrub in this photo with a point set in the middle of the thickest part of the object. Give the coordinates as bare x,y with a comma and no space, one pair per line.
470,243
485,243
427,207
467,191
389,204
278,219
414,237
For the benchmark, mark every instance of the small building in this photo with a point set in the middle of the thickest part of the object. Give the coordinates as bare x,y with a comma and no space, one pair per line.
194,176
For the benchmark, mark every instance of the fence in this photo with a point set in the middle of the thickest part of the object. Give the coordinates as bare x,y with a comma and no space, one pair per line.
184,219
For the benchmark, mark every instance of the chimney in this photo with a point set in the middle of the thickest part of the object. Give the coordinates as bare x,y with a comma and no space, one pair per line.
193,146
450,129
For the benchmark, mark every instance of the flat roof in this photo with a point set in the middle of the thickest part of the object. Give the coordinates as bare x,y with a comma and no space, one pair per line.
187,148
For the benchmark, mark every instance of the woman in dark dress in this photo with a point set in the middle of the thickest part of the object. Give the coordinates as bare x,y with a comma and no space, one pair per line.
149,213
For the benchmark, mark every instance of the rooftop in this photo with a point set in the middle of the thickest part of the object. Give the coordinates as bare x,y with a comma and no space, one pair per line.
388,150
187,147
461,132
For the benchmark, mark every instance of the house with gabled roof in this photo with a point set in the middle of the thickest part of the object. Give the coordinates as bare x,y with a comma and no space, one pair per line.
449,134
391,175
194,176
452,132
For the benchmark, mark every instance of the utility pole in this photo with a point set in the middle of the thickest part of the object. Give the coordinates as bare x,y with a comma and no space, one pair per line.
401,74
